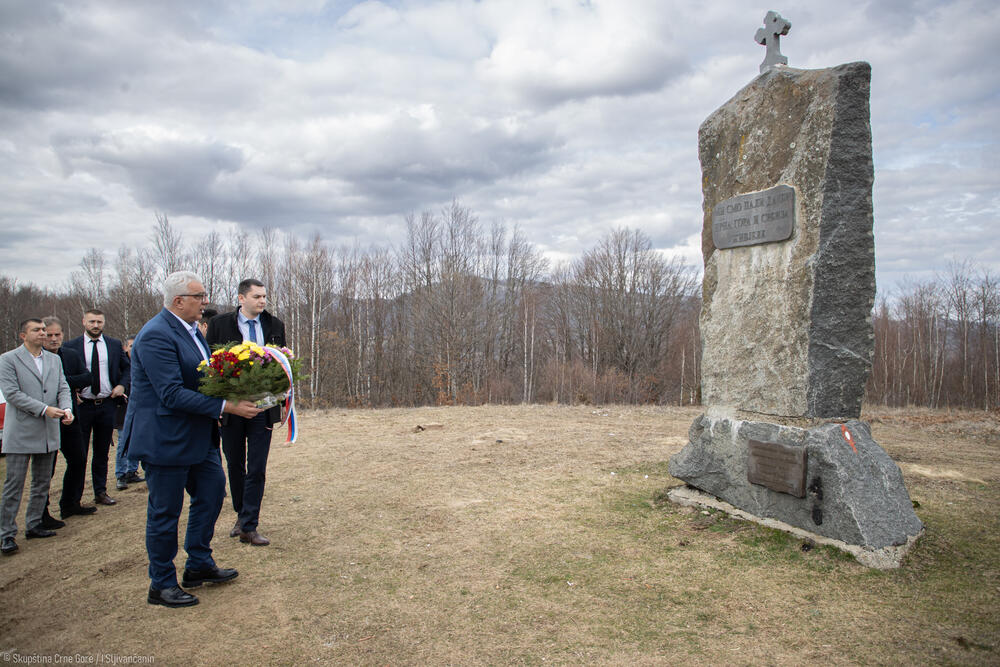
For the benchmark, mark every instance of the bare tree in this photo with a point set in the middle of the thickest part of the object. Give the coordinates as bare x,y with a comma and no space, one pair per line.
267,264
90,282
168,247
988,315
241,264
209,260
630,298
315,277
132,299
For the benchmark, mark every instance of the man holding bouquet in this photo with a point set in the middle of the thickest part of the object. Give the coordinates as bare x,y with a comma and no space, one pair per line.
168,426
247,442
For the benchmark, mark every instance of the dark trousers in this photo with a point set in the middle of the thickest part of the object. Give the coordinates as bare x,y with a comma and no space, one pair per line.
206,484
71,446
99,421
246,443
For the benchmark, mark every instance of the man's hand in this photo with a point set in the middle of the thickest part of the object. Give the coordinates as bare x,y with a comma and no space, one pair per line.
245,409
67,417
55,413
119,390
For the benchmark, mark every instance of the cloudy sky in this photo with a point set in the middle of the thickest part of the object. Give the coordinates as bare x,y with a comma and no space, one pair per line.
565,117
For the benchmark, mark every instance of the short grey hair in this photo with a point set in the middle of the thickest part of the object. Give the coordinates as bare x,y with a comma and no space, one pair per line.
52,319
176,284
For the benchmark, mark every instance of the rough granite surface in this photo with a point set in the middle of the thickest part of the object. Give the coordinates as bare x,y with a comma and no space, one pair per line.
854,496
786,327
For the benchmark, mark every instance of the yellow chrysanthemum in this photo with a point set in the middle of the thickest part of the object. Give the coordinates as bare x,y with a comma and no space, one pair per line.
243,356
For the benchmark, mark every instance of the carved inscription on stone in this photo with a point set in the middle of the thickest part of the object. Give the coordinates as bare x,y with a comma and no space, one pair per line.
756,217
780,468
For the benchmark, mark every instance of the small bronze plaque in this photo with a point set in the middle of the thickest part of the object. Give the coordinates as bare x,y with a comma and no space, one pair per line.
756,217
778,467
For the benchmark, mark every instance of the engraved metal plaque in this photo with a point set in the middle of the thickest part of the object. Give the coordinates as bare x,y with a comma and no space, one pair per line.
756,217
780,468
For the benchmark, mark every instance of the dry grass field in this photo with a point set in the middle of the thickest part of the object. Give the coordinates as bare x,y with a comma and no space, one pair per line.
525,535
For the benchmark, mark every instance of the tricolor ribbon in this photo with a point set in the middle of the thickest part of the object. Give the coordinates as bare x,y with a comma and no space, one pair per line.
286,365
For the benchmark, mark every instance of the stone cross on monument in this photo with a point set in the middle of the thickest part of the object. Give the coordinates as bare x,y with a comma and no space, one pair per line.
770,36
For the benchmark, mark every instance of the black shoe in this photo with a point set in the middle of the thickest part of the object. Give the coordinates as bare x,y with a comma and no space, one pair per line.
50,522
215,575
32,533
79,510
8,546
171,597
121,484
254,538
103,498
134,477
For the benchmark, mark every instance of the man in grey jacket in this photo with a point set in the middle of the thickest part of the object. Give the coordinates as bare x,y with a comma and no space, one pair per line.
32,381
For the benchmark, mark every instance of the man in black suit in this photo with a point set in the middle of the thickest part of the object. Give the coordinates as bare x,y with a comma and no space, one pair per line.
70,437
109,367
247,442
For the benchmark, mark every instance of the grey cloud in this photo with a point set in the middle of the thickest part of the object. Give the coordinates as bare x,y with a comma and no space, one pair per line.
77,57
930,213
177,175
644,75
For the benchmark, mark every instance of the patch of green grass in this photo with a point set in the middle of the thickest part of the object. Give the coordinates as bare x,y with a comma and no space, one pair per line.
661,498
835,554
727,525
658,469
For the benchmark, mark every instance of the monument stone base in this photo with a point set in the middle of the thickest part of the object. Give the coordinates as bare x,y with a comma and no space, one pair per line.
887,558
831,480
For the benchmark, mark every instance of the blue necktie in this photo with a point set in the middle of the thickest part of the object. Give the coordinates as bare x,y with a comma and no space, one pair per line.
253,330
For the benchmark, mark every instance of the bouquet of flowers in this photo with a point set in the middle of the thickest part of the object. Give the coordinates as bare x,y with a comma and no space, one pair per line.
251,372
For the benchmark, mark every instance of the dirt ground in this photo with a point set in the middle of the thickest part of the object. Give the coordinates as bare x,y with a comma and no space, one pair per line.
523,535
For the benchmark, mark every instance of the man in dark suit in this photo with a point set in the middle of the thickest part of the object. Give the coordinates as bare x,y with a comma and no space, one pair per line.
168,427
109,367
247,442
70,438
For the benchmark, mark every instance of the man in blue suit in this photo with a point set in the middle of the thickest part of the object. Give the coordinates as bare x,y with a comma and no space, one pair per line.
109,368
168,426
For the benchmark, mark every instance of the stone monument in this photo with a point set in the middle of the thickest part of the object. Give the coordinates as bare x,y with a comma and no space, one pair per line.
786,326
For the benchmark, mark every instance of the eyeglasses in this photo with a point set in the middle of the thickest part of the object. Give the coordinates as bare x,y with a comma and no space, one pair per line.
201,295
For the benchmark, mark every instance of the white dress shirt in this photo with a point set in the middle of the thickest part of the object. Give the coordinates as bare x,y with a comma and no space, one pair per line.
102,362
38,363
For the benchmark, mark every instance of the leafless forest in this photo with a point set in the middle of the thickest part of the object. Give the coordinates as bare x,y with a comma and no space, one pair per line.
465,313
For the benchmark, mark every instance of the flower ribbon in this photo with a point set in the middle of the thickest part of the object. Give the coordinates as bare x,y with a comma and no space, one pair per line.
286,365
